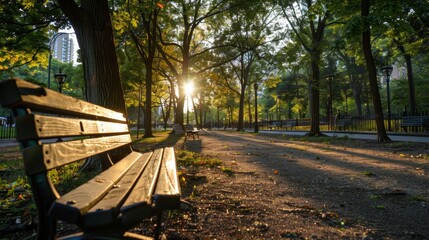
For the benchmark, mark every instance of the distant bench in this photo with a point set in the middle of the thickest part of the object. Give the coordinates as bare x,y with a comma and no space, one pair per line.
57,130
342,124
415,121
274,125
289,123
190,131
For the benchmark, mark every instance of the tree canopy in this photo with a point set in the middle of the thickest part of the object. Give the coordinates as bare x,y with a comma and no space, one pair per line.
152,49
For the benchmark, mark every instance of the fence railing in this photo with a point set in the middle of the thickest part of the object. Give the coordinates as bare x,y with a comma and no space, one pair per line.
355,124
351,124
7,126
7,132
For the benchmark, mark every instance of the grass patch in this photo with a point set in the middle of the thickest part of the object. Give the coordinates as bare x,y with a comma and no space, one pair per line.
69,177
374,197
380,206
418,198
316,139
226,170
159,139
368,174
402,145
188,158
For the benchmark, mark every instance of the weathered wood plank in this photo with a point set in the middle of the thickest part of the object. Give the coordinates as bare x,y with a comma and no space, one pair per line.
39,127
19,93
74,204
106,211
138,203
45,157
167,193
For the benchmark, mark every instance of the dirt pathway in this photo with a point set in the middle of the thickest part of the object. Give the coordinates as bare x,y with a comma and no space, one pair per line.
282,187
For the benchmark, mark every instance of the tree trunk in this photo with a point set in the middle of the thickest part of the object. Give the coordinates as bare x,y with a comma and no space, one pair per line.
148,95
366,44
92,25
93,28
315,96
240,124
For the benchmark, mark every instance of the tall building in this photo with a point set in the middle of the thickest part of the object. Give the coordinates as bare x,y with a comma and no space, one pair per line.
63,48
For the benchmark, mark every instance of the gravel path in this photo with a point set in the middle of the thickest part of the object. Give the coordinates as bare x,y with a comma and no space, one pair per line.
285,187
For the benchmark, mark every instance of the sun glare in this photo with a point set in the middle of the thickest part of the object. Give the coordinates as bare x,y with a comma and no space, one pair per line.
189,88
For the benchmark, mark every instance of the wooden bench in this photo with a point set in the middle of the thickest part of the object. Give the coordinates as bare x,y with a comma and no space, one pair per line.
343,124
289,123
274,125
132,186
415,121
191,132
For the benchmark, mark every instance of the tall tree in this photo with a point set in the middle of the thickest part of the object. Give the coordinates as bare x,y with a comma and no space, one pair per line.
406,26
308,20
372,71
93,28
248,34
183,41
142,29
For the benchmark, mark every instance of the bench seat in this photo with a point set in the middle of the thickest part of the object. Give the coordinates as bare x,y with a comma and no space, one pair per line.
56,130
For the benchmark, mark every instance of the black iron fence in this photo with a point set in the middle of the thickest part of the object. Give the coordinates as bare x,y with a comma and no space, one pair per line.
350,124
7,132
404,122
7,128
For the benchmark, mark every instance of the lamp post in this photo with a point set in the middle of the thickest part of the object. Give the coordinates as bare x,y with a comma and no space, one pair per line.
387,70
330,77
255,85
60,78
51,41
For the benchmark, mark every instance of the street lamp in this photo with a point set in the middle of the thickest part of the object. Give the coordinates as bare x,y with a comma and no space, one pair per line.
330,77
60,78
387,70
255,85
51,41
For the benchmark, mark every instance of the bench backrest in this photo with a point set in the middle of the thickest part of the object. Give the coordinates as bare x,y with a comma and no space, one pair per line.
54,130
343,122
289,122
417,119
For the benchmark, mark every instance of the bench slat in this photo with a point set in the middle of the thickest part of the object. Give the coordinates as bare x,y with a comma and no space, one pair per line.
106,211
167,193
72,205
19,93
139,202
41,158
39,127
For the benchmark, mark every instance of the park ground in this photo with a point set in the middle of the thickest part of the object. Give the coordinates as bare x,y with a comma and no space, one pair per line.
261,186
